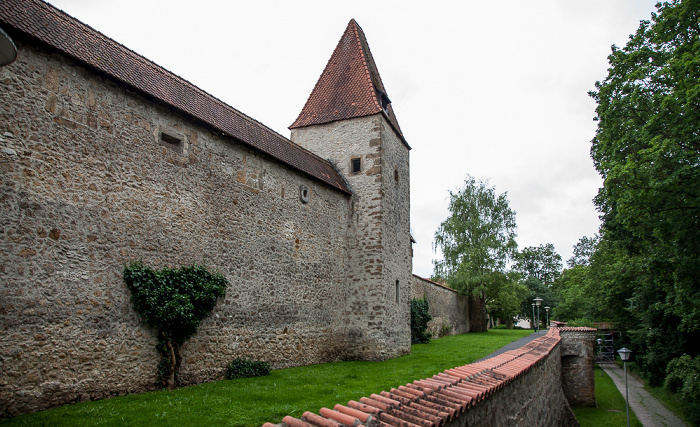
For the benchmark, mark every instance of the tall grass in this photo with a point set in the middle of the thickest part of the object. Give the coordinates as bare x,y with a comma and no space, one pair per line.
254,401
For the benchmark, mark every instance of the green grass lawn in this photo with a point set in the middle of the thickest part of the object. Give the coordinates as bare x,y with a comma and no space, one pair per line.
254,401
611,406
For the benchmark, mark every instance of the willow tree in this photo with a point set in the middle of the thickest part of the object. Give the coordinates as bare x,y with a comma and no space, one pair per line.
477,240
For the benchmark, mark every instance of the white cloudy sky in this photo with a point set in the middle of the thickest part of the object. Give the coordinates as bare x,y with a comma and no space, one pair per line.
495,89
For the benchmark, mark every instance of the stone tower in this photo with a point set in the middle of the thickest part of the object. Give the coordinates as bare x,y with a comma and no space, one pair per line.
348,119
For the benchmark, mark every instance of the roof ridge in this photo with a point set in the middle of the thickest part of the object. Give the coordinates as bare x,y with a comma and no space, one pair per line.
359,37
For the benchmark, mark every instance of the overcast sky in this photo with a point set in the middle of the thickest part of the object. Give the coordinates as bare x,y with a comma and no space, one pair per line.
493,89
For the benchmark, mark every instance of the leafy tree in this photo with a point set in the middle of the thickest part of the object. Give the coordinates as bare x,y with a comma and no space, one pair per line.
647,149
583,251
536,288
539,267
477,240
541,262
174,301
575,299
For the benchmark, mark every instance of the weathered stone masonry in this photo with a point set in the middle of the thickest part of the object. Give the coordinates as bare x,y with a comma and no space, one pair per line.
449,310
95,173
577,359
91,188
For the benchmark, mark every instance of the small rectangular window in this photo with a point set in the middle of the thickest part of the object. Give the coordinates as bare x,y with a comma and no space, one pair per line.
356,165
398,297
172,142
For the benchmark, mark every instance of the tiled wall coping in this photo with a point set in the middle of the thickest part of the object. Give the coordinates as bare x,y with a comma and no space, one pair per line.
577,329
435,401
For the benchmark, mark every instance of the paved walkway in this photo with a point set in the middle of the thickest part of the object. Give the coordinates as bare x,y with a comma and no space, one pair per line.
648,409
515,344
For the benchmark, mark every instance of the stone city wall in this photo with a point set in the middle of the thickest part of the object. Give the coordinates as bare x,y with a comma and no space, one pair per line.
533,398
449,309
87,185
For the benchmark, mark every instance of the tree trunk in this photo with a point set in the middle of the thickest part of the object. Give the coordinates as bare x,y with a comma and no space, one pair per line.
478,320
174,363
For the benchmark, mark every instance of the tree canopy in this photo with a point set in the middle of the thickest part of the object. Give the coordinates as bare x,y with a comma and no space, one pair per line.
540,262
647,149
477,240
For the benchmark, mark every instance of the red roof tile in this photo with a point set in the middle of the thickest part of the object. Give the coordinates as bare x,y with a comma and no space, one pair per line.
349,86
433,402
577,329
92,48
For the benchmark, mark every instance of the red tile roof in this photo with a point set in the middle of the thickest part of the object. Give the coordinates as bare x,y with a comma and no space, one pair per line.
349,86
92,48
435,401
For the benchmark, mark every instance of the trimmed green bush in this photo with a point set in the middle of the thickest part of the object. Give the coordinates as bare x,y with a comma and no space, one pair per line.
683,377
174,301
241,368
420,316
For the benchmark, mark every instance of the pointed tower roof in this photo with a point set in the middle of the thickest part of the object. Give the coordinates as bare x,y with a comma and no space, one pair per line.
349,86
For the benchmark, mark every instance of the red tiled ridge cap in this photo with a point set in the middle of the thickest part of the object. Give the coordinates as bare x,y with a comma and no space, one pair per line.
434,401
576,329
349,86
87,45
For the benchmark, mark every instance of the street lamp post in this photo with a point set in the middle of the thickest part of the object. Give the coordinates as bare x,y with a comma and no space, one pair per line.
546,324
625,355
534,321
538,302
600,354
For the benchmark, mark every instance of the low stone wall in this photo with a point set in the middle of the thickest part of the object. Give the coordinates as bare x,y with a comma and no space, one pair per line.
519,387
577,358
449,309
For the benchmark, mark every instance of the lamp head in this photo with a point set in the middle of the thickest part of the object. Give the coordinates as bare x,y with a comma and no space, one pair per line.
538,301
600,341
547,308
624,354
